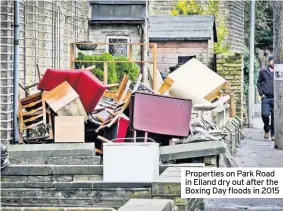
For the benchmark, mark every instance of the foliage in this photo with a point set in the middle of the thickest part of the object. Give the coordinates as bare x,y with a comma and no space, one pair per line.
115,70
191,7
126,68
263,25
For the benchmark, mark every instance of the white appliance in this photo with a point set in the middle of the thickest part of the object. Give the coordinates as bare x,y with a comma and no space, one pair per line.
130,162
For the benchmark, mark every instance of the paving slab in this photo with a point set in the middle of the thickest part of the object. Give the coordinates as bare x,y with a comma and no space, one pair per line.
192,150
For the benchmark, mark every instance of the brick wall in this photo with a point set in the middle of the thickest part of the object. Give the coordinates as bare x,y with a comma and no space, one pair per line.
46,28
6,72
230,66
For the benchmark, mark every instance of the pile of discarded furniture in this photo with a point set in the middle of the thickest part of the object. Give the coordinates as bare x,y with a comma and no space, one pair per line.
75,106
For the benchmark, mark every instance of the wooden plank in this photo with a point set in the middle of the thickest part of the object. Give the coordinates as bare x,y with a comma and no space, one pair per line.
182,44
182,50
31,86
105,72
114,61
32,111
124,93
33,114
166,85
69,129
121,88
103,43
33,125
32,104
33,118
26,100
168,55
38,72
60,96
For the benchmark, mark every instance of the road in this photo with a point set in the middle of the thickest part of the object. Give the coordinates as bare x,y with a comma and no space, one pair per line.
255,151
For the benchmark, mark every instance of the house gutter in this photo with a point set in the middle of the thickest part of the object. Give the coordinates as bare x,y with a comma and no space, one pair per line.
16,71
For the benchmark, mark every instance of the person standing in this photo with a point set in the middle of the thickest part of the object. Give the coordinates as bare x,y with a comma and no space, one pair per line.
265,89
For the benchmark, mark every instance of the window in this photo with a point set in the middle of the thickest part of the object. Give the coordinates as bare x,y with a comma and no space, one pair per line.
119,49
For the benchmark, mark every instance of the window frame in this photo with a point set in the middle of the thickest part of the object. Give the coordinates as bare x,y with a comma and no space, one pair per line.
118,37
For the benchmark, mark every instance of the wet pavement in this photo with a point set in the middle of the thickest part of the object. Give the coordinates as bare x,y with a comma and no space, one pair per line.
255,151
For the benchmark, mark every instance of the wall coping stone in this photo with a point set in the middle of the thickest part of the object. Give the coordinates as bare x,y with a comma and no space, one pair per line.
191,150
52,150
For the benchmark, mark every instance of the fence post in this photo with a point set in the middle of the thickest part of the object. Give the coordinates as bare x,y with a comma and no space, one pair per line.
105,73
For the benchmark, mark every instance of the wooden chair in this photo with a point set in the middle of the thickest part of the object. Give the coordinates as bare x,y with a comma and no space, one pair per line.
33,112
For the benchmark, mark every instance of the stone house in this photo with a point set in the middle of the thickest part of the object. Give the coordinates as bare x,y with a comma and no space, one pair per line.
182,36
118,22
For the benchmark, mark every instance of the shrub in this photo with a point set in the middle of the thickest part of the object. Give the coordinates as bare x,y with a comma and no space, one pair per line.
129,68
116,71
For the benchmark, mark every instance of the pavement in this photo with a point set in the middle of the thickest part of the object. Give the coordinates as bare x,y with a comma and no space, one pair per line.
255,151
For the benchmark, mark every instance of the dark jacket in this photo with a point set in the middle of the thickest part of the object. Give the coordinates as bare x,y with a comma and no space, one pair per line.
265,83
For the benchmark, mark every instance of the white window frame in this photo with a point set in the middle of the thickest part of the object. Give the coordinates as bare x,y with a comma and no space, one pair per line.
118,37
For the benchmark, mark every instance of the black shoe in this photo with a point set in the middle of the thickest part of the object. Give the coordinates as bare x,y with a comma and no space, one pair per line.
272,136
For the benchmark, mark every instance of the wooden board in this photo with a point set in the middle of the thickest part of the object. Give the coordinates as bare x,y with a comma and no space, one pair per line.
69,129
60,96
74,108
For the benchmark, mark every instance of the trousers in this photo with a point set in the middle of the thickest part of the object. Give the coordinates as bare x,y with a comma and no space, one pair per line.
267,110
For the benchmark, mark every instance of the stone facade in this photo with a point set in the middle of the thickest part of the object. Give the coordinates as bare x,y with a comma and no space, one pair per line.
230,66
100,33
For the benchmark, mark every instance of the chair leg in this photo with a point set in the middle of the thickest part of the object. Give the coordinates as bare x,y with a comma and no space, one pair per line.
135,136
145,136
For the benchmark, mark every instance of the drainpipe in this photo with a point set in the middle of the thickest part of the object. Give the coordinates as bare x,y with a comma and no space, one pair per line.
251,73
16,70
146,47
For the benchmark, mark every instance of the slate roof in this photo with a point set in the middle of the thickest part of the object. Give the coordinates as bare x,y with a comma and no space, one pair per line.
181,28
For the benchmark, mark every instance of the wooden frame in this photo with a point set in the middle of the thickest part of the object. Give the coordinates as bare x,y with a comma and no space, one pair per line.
72,59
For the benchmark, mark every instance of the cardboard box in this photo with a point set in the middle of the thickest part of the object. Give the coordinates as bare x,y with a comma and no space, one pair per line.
64,101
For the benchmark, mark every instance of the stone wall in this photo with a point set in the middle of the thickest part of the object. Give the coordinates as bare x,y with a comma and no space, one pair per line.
99,33
230,66
80,186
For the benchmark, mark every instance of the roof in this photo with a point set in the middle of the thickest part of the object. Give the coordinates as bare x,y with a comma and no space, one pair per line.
180,28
